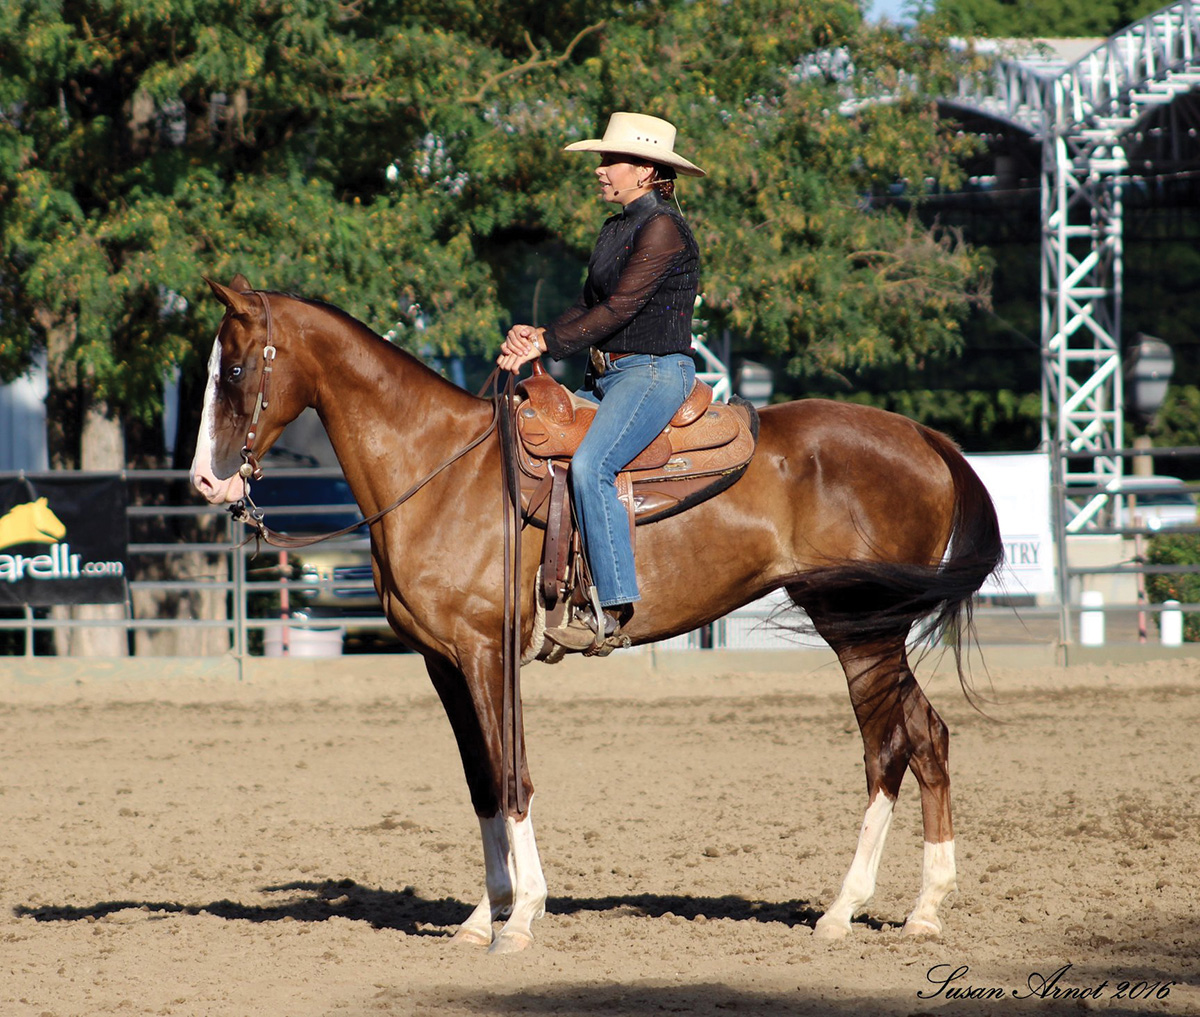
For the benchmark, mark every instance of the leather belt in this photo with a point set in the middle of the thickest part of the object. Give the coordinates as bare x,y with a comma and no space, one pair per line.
597,357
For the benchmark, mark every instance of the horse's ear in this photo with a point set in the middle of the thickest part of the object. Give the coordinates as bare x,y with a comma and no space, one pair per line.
231,297
241,284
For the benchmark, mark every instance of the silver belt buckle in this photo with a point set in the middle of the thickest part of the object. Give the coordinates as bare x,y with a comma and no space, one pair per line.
598,364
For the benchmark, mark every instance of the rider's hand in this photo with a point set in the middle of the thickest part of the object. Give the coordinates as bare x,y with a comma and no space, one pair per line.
522,344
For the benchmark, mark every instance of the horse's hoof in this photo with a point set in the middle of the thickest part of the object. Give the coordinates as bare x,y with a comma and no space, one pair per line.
472,937
511,942
927,928
830,929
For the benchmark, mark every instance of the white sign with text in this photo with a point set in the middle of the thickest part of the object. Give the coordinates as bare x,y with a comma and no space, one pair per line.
1019,484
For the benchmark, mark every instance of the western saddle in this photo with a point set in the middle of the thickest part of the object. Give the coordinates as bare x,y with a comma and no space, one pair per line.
704,450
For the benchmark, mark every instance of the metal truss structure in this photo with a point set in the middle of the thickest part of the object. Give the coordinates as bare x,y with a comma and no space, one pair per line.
1097,107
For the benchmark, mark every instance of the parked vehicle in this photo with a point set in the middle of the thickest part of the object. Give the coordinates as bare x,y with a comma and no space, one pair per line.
1156,502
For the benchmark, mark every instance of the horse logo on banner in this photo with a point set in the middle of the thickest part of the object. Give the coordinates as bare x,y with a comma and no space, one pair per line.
31,523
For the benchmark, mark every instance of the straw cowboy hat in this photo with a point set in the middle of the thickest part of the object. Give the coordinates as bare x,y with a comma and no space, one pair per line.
645,137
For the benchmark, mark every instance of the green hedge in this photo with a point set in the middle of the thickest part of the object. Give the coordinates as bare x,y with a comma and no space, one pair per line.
1176,549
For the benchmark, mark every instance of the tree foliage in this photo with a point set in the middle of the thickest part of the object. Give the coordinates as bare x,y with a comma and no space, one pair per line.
1181,549
386,155
1018,19
146,144
1177,423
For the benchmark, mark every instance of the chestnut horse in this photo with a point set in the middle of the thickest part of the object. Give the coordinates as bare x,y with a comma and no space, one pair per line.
871,522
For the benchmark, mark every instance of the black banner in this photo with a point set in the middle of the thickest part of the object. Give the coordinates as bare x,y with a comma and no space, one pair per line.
63,540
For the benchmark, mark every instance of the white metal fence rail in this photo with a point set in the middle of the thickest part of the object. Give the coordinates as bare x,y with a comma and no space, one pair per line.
188,571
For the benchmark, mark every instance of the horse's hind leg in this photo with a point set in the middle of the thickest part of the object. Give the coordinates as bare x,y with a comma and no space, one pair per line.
930,763
900,730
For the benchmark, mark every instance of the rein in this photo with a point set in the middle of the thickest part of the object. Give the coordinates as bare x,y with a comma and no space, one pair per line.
512,746
253,516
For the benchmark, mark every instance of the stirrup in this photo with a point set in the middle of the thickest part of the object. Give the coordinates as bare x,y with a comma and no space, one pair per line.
585,632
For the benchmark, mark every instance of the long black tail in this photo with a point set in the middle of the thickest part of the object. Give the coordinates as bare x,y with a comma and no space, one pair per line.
860,604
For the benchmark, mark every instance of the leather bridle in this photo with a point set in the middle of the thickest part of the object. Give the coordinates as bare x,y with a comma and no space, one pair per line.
250,468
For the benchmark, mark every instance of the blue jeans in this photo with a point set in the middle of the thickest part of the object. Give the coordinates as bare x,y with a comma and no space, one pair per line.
637,396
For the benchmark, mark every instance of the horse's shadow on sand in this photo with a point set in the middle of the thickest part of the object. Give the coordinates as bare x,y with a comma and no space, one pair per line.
408,912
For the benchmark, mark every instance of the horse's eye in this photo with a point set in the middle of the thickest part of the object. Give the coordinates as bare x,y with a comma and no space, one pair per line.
235,373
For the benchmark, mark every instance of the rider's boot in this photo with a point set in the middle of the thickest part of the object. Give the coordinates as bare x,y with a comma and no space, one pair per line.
583,632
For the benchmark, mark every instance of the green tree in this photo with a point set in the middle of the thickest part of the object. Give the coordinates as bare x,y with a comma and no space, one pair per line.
145,144
1179,549
1177,423
797,261
775,101
1015,19
385,156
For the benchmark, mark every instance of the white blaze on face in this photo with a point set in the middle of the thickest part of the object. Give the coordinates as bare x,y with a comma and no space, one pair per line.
204,476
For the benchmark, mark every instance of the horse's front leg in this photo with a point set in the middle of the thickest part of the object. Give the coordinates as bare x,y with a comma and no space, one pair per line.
527,882
500,877
514,883
515,886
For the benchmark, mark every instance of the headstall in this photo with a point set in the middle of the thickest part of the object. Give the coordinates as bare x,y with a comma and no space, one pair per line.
250,468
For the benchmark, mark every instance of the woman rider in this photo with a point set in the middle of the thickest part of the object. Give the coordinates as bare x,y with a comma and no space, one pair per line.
635,312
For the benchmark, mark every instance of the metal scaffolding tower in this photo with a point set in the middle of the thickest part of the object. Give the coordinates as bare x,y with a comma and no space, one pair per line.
1086,102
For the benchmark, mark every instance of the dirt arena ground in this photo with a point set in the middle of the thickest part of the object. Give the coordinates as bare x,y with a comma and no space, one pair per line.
299,842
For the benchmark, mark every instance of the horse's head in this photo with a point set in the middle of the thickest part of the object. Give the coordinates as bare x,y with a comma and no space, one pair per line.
247,402
49,527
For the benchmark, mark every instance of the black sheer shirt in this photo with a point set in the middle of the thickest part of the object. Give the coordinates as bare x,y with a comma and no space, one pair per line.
641,286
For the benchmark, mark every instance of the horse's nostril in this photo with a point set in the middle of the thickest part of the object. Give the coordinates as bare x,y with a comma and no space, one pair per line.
203,485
